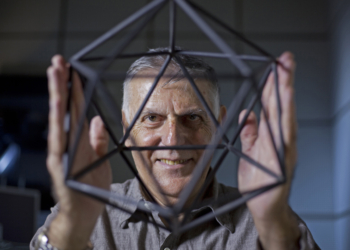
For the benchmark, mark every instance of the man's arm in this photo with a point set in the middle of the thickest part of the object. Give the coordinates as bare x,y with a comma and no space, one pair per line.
49,219
77,215
276,223
281,232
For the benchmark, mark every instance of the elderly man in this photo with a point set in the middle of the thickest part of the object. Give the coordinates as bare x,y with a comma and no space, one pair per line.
172,116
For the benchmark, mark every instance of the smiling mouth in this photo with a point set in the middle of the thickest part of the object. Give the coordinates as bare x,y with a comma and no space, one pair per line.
176,162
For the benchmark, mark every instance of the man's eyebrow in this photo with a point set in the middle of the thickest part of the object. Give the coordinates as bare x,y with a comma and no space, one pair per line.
195,111
187,112
149,112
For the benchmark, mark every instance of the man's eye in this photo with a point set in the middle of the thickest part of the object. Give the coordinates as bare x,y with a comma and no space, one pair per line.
152,118
193,117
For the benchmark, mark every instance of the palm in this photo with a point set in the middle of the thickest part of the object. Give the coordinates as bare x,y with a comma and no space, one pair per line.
89,151
92,145
257,143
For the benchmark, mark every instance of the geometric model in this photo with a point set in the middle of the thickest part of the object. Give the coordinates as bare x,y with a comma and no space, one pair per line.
93,78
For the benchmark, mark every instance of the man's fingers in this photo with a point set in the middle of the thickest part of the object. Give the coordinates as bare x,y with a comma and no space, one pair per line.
59,61
249,132
57,86
286,69
98,136
286,74
78,93
289,125
57,75
78,100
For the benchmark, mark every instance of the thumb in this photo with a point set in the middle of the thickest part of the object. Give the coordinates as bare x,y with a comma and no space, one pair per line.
98,136
249,132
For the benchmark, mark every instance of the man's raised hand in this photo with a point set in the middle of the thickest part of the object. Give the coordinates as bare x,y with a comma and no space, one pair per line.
77,215
273,218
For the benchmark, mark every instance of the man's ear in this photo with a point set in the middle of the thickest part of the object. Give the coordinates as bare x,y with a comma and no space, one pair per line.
222,114
124,122
125,126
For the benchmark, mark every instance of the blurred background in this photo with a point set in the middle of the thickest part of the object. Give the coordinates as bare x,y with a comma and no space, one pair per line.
316,31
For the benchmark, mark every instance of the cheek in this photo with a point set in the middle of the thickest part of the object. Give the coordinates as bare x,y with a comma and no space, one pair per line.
144,136
203,135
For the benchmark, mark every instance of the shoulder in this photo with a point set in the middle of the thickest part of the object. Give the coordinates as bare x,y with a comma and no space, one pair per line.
122,188
224,189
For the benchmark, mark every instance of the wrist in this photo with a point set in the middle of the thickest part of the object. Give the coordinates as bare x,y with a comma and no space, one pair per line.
70,232
43,242
280,232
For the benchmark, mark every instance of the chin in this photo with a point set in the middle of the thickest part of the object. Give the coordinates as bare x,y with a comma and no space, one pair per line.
173,186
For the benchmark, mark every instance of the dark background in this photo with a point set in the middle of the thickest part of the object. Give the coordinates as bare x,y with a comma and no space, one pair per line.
316,31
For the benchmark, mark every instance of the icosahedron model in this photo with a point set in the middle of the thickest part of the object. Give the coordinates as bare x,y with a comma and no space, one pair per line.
249,92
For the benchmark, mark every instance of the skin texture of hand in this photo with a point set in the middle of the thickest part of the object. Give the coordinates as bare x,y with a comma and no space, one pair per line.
78,213
273,218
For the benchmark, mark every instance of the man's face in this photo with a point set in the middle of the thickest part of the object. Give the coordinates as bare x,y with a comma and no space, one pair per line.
173,116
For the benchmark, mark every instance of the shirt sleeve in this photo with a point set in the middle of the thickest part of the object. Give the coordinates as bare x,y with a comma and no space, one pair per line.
306,241
49,219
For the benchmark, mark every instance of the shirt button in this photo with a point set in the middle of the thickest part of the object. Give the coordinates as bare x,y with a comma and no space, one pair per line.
167,248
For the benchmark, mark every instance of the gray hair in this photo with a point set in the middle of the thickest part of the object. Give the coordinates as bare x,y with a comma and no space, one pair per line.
196,67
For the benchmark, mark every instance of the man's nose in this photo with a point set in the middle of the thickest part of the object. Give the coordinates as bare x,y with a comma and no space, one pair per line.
173,133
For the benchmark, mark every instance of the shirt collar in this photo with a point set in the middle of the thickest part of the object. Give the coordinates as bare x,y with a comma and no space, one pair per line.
133,192
215,190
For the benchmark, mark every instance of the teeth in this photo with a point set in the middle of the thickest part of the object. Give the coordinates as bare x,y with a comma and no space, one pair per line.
172,162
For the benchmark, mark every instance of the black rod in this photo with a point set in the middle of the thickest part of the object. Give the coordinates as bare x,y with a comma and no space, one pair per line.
67,124
281,153
144,102
203,54
221,55
114,110
264,113
251,104
111,105
83,69
125,56
227,27
199,95
105,123
106,197
253,162
121,76
128,38
94,164
201,192
138,177
226,208
99,161
205,158
223,155
72,153
181,52
221,44
124,24
172,24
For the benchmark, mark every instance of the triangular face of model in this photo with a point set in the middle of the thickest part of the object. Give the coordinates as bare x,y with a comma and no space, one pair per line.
171,120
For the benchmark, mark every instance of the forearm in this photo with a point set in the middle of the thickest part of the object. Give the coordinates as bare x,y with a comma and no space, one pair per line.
280,232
